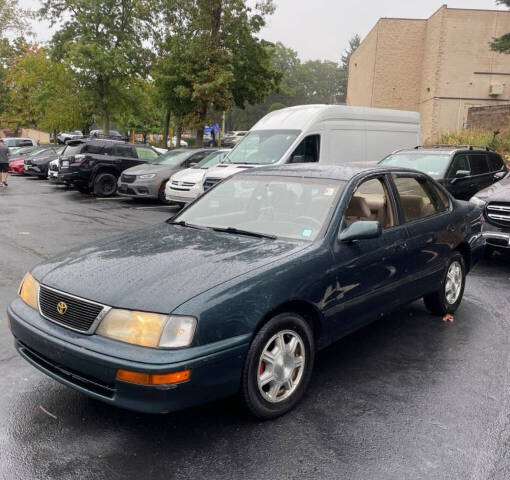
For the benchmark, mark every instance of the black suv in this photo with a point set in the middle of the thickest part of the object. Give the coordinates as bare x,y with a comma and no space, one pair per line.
95,165
463,170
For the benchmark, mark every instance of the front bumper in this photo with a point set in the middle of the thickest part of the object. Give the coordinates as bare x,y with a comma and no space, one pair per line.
88,363
496,237
33,170
138,189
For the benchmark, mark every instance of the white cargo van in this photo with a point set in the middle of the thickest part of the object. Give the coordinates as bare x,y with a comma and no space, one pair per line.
329,134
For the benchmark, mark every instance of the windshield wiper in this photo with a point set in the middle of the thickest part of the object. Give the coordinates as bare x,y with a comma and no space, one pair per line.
182,223
244,232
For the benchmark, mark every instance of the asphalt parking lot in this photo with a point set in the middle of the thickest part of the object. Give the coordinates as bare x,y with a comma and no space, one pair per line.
407,397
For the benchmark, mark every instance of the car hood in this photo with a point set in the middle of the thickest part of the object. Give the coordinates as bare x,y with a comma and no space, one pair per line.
192,175
497,192
43,160
147,168
225,170
159,268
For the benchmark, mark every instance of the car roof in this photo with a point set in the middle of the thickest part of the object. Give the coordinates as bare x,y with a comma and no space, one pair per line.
444,149
333,172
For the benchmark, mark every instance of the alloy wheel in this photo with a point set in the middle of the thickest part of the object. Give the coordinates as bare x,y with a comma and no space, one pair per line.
453,282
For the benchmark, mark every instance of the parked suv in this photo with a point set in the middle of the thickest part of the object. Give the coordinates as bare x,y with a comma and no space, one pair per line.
495,203
96,165
463,170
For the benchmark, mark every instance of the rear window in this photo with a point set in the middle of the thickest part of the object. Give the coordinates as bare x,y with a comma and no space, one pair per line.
73,150
122,151
478,164
431,163
495,162
94,149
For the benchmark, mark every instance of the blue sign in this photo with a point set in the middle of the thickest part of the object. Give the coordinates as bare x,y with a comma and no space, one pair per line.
210,128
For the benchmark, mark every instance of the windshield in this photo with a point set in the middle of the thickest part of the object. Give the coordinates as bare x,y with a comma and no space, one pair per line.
288,207
432,164
173,157
24,150
41,153
263,146
211,160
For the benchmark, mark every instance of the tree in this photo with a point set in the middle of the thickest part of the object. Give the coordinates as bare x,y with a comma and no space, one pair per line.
13,18
43,94
502,44
354,43
104,43
224,62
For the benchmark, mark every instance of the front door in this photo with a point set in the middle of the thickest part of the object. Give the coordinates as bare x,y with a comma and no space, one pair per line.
369,272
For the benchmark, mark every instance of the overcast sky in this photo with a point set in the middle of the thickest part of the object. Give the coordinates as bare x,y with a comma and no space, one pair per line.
320,29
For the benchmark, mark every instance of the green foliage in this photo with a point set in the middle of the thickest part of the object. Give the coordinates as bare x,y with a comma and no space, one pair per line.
212,59
102,42
13,18
502,44
480,138
42,93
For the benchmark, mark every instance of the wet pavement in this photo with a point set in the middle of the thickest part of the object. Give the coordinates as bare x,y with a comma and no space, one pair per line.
407,397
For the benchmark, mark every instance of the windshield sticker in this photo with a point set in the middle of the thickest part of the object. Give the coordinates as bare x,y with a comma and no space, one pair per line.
328,192
307,232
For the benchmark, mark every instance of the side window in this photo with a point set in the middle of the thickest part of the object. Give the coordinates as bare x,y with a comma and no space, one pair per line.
23,143
445,201
416,198
95,149
123,151
146,153
478,164
308,151
194,158
495,162
460,162
370,201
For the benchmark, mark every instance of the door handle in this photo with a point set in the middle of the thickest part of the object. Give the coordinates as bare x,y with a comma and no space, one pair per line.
402,246
451,228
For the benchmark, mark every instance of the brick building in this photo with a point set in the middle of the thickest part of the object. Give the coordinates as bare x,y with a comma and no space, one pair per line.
440,66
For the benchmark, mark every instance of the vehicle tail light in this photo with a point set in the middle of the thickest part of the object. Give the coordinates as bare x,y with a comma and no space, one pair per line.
79,158
141,378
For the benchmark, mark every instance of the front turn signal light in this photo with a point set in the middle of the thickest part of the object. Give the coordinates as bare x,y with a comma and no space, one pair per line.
141,378
29,291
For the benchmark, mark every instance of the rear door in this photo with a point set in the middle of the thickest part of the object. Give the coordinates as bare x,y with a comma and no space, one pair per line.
481,175
426,216
126,155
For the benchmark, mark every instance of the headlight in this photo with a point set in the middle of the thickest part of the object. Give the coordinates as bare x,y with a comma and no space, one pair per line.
29,291
148,329
146,176
478,202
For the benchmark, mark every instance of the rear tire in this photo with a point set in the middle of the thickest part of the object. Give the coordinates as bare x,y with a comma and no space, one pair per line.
105,185
447,299
161,194
278,366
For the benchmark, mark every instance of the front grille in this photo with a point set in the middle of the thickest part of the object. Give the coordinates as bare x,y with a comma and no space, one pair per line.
210,182
28,162
498,214
127,178
78,314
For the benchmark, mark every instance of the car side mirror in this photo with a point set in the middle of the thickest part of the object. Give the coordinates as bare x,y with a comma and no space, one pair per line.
360,230
460,174
500,175
298,159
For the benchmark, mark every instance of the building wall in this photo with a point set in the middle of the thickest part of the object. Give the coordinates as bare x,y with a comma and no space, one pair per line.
440,67
493,118
361,71
399,60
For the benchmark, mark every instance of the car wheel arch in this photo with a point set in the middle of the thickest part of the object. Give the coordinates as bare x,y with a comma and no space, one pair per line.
303,308
104,169
464,249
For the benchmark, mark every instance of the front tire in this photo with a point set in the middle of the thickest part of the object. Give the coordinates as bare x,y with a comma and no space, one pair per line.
161,194
105,185
278,366
447,299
